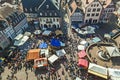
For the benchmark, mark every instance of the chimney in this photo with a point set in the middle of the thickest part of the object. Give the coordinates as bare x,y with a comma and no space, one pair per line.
87,2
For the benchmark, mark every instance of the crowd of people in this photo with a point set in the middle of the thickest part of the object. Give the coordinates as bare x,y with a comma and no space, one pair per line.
67,64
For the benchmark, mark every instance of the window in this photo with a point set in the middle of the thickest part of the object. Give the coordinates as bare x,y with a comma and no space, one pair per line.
86,21
95,21
94,10
93,14
98,9
97,14
94,5
89,10
41,25
97,5
45,14
53,19
57,20
88,15
25,9
50,20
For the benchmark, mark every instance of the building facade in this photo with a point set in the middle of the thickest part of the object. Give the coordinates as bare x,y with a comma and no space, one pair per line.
4,42
15,21
106,11
44,12
95,11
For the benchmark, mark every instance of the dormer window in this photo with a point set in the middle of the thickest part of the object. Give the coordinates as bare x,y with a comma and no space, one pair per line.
47,6
25,9
30,9
45,14
40,14
35,8
50,14
55,14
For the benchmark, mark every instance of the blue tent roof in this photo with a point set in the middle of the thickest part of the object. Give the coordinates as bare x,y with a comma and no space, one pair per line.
1,61
43,45
55,42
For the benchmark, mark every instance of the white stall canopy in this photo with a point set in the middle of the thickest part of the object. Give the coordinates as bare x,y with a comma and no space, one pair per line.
60,52
18,37
21,41
113,51
98,70
114,74
44,51
52,58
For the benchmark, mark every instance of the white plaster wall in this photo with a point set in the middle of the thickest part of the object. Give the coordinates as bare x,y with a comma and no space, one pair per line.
91,12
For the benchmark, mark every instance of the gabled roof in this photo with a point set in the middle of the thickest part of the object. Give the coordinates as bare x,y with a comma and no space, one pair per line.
48,9
31,4
6,11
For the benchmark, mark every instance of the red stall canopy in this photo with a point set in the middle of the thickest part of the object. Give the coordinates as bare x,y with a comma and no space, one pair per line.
83,63
82,54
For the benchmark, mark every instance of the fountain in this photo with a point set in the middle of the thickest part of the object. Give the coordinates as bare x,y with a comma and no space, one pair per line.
103,55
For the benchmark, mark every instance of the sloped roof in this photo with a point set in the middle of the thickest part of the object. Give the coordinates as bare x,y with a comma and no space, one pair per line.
31,4
48,9
113,51
5,11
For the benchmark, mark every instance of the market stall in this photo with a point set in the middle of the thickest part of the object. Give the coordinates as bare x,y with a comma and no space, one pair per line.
114,74
83,63
21,41
55,42
96,39
113,51
81,47
27,34
84,43
33,54
58,32
43,45
44,53
82,54
46,33
18,37
52,59
98,70
60,53
40,62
